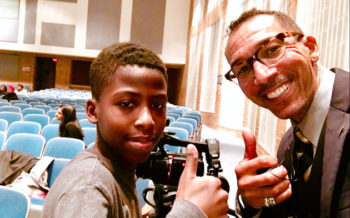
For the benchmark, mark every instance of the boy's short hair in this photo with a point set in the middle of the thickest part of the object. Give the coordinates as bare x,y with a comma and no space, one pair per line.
111,58
288,23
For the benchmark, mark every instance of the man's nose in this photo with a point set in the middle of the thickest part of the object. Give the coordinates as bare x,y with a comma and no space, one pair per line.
262,72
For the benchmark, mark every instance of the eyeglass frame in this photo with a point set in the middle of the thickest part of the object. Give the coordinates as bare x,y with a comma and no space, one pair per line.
230,75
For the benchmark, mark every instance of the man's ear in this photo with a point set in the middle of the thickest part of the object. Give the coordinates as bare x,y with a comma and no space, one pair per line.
311,44
90,108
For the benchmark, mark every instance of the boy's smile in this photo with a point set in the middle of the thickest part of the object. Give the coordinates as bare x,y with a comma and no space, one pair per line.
131,115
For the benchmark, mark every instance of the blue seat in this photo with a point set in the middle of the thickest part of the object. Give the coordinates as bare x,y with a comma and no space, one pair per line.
180,133
46,108
191,121
141,184
63,147
81,115
193,116
89,135
10,109
177,111
27,143
194,113
53,171
3,100
33,111
23,127
51,114
174,115
11,116
183,125
33,103
52,105
86,123
171,119
55,121
12,102
4,103
89,146
42,119
22,105
13,204
2,139
50,131
3,125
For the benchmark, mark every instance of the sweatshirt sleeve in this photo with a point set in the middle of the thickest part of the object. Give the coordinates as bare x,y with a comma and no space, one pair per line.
185,209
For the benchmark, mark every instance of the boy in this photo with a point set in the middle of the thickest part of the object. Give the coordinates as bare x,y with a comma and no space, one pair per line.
129,89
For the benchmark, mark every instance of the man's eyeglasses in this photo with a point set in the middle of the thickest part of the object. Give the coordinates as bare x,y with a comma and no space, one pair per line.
271,51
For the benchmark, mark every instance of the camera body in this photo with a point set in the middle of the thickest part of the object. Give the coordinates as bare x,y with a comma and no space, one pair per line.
165,169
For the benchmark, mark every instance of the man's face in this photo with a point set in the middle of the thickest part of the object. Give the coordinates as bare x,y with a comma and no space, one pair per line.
131,114
287,87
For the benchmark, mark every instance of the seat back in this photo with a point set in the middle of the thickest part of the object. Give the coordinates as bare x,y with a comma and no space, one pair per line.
2,139
177,111
51,114
174,115
191,121
42,119
193,116
55,121
179,133
4,103
63,147
13,204
23,127
17,102
86,123
55,168
3,125
81,115
183,125
33,111
11,116
46,108
89,135
27,143
50,131
22,105
171,119
11,109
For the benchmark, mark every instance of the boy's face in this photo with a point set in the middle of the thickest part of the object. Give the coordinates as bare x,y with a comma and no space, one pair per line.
130,115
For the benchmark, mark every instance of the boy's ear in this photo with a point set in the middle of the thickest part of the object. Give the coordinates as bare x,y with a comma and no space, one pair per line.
90,108
311,44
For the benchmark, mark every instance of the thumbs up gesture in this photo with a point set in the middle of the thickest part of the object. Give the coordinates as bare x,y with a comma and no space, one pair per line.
253,187
204,192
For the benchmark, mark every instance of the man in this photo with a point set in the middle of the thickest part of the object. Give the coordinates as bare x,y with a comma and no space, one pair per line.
276,67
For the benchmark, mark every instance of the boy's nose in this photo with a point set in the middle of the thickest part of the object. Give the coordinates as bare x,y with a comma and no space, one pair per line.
262,72
145,119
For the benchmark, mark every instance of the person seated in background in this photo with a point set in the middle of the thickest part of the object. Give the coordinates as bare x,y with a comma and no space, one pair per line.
69,124
20,90
3,90
10,95
129,95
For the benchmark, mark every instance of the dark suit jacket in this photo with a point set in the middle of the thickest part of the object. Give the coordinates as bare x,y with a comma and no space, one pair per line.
335,183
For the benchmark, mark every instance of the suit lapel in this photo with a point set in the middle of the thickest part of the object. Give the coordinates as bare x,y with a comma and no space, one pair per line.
336,130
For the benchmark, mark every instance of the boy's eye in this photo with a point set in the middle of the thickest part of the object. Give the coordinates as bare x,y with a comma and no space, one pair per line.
158,106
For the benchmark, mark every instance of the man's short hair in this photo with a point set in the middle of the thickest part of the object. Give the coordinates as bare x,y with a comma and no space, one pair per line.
111,58
285,21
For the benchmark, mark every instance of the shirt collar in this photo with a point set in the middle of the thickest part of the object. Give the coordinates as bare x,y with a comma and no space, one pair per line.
312,123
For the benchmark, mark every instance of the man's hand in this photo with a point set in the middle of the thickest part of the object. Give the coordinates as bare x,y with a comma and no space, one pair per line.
253,187
205,192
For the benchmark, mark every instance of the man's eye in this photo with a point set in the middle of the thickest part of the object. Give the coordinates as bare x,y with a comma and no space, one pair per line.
126,104
243,69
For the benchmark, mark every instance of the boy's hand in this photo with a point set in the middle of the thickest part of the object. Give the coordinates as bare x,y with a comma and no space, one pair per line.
253,187
205,192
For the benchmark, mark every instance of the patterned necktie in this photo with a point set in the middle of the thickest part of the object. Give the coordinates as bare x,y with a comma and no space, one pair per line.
304,156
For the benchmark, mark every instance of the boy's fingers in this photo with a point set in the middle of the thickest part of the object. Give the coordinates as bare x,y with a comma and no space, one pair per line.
250,144
190,170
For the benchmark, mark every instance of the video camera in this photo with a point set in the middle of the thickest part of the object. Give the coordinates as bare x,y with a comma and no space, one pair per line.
164,168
